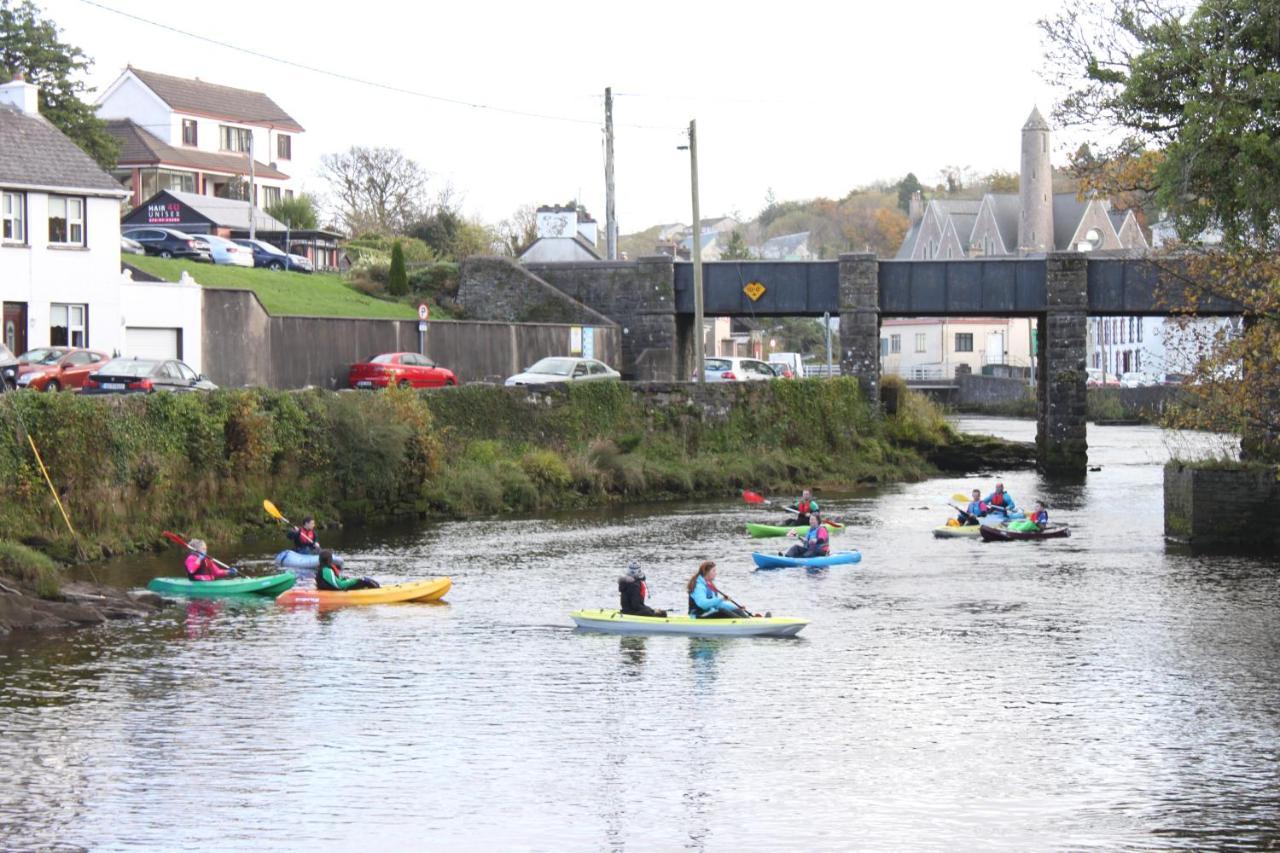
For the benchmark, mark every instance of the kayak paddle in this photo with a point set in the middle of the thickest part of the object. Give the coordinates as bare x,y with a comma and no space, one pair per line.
178,540
274,513
758,499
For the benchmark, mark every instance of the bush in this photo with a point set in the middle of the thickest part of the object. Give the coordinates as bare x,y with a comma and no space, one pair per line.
30,567
397,279
435,280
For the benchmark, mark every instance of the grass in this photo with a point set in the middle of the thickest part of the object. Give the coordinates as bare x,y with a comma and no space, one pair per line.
30,567
283,293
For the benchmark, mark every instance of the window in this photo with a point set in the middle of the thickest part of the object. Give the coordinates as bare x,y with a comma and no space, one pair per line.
964,342
288,194
66,221
79,359
1139,331
284,147
235,138
920,341
270,196
68,326
895,343
189,133
152,181
14,210
884,347
184,372
1132,323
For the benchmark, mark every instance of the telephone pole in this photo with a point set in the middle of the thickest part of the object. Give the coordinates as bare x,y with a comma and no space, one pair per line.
610,219
253,220
698,332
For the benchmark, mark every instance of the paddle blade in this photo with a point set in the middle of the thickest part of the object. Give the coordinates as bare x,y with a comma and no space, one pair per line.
959,498
175,539
271,510
752,497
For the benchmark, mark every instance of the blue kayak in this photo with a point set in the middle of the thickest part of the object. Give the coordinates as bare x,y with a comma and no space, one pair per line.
294,560
773,561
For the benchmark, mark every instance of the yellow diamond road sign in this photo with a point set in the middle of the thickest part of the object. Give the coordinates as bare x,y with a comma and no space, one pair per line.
754,290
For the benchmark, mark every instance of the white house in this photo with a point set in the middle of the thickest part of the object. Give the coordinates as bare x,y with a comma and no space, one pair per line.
196,137
564,235
939,347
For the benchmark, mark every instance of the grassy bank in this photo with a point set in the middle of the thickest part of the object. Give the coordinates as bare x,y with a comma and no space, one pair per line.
30,569
128,468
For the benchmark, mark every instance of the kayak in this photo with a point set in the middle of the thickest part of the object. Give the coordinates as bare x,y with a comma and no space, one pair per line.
614,622
271,585
431,589
964,531
762,531
773,561
1000,533
294,560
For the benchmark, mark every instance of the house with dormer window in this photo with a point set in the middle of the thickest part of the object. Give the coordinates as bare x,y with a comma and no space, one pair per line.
197,137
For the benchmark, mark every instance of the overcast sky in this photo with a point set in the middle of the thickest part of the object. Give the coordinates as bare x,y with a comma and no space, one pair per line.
806,98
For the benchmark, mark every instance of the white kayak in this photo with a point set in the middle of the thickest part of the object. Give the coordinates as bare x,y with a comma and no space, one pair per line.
615,622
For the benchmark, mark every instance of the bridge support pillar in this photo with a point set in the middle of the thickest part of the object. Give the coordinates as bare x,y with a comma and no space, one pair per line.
1061,344
860,322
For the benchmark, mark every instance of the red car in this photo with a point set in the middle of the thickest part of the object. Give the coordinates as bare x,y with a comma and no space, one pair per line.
405,369
53,368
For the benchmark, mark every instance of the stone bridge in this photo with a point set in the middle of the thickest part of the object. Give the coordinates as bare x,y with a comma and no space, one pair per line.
651,299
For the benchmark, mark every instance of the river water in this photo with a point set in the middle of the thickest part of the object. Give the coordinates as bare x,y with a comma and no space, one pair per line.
1101,692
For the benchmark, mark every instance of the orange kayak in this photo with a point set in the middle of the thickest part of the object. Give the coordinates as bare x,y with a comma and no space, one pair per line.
432,589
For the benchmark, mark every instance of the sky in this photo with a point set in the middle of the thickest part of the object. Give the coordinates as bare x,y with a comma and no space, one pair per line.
802,98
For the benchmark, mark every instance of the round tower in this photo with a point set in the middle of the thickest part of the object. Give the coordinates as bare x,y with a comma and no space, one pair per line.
1035,188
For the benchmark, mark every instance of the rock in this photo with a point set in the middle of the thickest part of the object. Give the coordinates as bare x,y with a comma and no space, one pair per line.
81,604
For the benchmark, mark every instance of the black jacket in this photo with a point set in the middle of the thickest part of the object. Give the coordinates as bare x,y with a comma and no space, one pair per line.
632,594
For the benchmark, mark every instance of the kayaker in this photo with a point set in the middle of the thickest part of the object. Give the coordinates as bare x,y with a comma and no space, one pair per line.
805,506
329,576
1041,516
304,538
707,602
816,541
632,589
1000,501
974,511
201,567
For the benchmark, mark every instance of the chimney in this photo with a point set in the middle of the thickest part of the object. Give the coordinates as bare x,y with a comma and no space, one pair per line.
915,207
21,94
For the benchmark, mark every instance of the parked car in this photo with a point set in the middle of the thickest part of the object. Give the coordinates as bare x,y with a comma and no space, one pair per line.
168,243
55,368
1095,378
274,258
145,376
780,370
405,369
225,251
793,361
721,369
1138,379
8,369
563,369
130,246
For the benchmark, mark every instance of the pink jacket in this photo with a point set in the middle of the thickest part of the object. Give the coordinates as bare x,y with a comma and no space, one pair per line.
201,568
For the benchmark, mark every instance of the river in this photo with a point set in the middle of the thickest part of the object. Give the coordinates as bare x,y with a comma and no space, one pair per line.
1103,691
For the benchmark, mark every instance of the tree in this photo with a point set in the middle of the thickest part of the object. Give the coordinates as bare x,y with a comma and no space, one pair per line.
30,44
375,189
800,334
397,278
737,249
518,232
907,187
297,212
1194,97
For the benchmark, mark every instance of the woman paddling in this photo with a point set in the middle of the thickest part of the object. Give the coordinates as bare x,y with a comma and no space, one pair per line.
707,602
201,567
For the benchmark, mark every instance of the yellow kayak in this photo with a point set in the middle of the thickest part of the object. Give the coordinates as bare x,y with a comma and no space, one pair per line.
431,589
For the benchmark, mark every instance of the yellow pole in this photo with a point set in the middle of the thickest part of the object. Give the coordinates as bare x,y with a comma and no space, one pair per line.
52,490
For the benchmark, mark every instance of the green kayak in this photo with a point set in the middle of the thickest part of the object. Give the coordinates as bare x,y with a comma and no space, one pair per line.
761,531
271,585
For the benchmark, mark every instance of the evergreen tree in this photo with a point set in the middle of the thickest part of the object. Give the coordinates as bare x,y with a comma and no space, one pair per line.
907,187
736,250
397,278
298,212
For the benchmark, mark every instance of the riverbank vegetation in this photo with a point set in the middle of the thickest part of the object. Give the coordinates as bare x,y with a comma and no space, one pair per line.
129,467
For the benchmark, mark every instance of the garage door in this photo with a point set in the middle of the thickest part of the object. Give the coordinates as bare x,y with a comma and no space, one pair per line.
152,343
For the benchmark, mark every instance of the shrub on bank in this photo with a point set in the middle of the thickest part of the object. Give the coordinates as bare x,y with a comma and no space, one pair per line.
30,568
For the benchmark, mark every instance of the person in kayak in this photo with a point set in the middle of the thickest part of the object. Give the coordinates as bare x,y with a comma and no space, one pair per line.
201,567
805,506
974,511
1040,518
329,576
816,541
632,589
1000,501
304,538
707,602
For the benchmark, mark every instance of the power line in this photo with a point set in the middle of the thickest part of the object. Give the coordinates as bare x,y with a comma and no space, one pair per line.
358,80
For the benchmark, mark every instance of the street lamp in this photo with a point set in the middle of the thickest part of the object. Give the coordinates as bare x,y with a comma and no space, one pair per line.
692,147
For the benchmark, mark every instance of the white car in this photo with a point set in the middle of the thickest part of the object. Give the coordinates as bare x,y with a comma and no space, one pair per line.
563,369
726,369
224,251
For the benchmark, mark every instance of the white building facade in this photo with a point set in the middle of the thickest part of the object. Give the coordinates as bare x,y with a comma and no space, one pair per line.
926,348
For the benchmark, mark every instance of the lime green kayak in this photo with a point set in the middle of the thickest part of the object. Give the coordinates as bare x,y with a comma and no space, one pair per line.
271,585
761,531
613,622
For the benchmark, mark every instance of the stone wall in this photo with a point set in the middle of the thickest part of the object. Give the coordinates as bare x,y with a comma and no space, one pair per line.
1061,430
976,390
244,345
502,290
860,321
1221,507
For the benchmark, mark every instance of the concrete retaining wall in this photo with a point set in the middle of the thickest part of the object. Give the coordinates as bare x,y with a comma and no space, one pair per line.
975,390
243,345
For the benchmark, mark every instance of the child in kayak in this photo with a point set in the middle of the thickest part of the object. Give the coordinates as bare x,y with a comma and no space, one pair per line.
974,511
633,591
329,576
805,506
707,602
201,567
305,539
816,541
1036,523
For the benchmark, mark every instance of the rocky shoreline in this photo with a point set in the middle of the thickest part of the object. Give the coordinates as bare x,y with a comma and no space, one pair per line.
79,605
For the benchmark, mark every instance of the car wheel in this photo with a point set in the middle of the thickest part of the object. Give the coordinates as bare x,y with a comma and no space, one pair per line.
275,265
52,385
165,253
449,383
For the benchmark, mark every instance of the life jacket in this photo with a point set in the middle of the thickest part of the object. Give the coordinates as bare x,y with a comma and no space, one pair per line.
998,499
694,609
321,583
1041,518
199,567
805,507
822,537
303,539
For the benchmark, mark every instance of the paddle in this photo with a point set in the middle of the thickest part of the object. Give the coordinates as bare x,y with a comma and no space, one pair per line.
178,540
757,499
275,513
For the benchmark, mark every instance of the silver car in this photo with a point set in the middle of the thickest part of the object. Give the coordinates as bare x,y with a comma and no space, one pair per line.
563,369
726,369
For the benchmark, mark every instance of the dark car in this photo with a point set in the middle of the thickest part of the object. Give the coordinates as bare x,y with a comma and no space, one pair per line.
168,243
273,257
144,376
405,369
8,369
55,368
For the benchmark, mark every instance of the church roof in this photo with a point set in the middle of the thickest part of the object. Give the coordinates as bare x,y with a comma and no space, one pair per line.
1067,213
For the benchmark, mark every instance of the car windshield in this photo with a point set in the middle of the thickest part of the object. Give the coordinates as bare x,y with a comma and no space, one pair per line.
554,366
44,355
128,367
268,248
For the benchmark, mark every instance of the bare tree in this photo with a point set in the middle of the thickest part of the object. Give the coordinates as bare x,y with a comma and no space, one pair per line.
375,189
519,231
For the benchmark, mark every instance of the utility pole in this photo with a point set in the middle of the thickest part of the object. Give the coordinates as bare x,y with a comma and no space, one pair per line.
253,219
610,218
698,333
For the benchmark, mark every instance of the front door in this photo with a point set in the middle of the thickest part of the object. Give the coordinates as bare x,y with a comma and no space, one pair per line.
14,328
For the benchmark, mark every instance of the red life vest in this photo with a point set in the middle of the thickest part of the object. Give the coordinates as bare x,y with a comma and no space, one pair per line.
803,507
997,499
306,537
